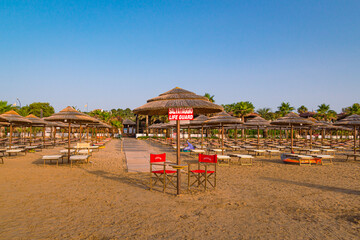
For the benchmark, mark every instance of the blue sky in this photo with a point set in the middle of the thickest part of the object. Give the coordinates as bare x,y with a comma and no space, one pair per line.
118,54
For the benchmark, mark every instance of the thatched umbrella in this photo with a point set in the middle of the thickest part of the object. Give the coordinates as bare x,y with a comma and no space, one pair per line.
222,119
13,118
177,98
354,121
258,122
292,119
70,115
199,121
36,122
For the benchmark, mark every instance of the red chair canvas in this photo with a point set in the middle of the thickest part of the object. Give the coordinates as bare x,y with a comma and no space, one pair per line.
205,174
162,175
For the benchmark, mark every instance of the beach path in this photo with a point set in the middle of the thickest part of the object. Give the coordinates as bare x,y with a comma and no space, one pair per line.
137,154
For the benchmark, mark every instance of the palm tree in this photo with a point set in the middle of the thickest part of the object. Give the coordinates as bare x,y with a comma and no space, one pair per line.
325,113
210,97
302,109
285,108
265,113
4,107
354,109
241,109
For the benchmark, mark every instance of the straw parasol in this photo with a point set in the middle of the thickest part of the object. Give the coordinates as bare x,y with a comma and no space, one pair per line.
70,115
292,119
177,98
36,122
352,120
221,119
13,118
199,121
258,122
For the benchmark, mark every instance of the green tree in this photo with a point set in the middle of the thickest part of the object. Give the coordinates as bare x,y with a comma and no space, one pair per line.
241,109
354,109
4,107
302,109
325,113
210,97
24,111
285,108
36,107
266,113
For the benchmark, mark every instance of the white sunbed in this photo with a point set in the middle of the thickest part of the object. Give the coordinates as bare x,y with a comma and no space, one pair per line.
79,158
53,157
242,157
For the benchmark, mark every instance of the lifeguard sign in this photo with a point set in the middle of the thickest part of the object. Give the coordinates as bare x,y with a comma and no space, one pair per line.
181,114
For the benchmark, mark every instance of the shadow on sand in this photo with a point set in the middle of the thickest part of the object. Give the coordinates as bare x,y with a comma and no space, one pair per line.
317,186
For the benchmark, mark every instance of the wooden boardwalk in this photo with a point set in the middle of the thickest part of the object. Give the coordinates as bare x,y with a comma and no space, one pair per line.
137,154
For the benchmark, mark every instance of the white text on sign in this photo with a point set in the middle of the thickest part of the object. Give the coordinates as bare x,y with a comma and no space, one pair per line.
181,114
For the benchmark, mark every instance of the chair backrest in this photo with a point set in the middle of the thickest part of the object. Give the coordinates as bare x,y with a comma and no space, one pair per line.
157,158
207,158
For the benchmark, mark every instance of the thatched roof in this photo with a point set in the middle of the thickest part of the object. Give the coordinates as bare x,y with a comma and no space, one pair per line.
257,121
223,118
292,119
35,121
14,118
199,120
69,114
177,98
128,122
352,120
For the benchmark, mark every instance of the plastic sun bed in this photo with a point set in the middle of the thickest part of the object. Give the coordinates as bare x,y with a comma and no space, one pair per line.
242,157
79,158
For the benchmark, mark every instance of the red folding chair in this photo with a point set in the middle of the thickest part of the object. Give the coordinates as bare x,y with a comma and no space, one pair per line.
206,172
164,176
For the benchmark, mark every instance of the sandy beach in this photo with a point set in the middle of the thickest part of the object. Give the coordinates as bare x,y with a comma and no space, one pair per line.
269,200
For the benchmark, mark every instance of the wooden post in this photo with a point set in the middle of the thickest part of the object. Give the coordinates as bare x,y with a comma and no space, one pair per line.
11,132
222,139
31,135
178,160
311,135
235,135
54,136
292,138
80,132
258,137
69,131
202,132
354,140
147,125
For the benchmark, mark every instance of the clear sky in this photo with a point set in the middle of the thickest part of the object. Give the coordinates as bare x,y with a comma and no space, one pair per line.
118,54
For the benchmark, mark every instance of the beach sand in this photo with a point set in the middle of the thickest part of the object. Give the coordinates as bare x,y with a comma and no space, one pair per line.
269,200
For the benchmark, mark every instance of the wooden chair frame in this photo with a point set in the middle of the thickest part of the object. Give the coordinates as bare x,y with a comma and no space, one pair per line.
164,176
203,176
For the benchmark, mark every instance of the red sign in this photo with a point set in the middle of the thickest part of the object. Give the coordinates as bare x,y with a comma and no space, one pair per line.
181,114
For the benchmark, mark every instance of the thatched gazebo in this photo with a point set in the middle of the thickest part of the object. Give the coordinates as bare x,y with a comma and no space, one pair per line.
70,115
129,126
222,119
177,98
353,121
13,118
36,122
292,119
257,122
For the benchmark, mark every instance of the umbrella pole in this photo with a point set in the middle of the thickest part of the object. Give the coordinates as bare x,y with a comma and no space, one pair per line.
280,136
54,136
258,137
11,131
310,132
189,132
44,136
202,132
87,133
292,139
178,161
80,132
30,135
69,131
235,135
222,138
354,141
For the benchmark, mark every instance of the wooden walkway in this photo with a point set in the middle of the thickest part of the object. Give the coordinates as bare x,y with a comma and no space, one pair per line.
137,154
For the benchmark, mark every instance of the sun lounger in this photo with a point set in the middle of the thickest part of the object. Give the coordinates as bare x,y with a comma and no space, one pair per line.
197,151
257,152
271,151
242,157
79,158
65,151
326,150
15,151
325,159
223,160
53,157
354,155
